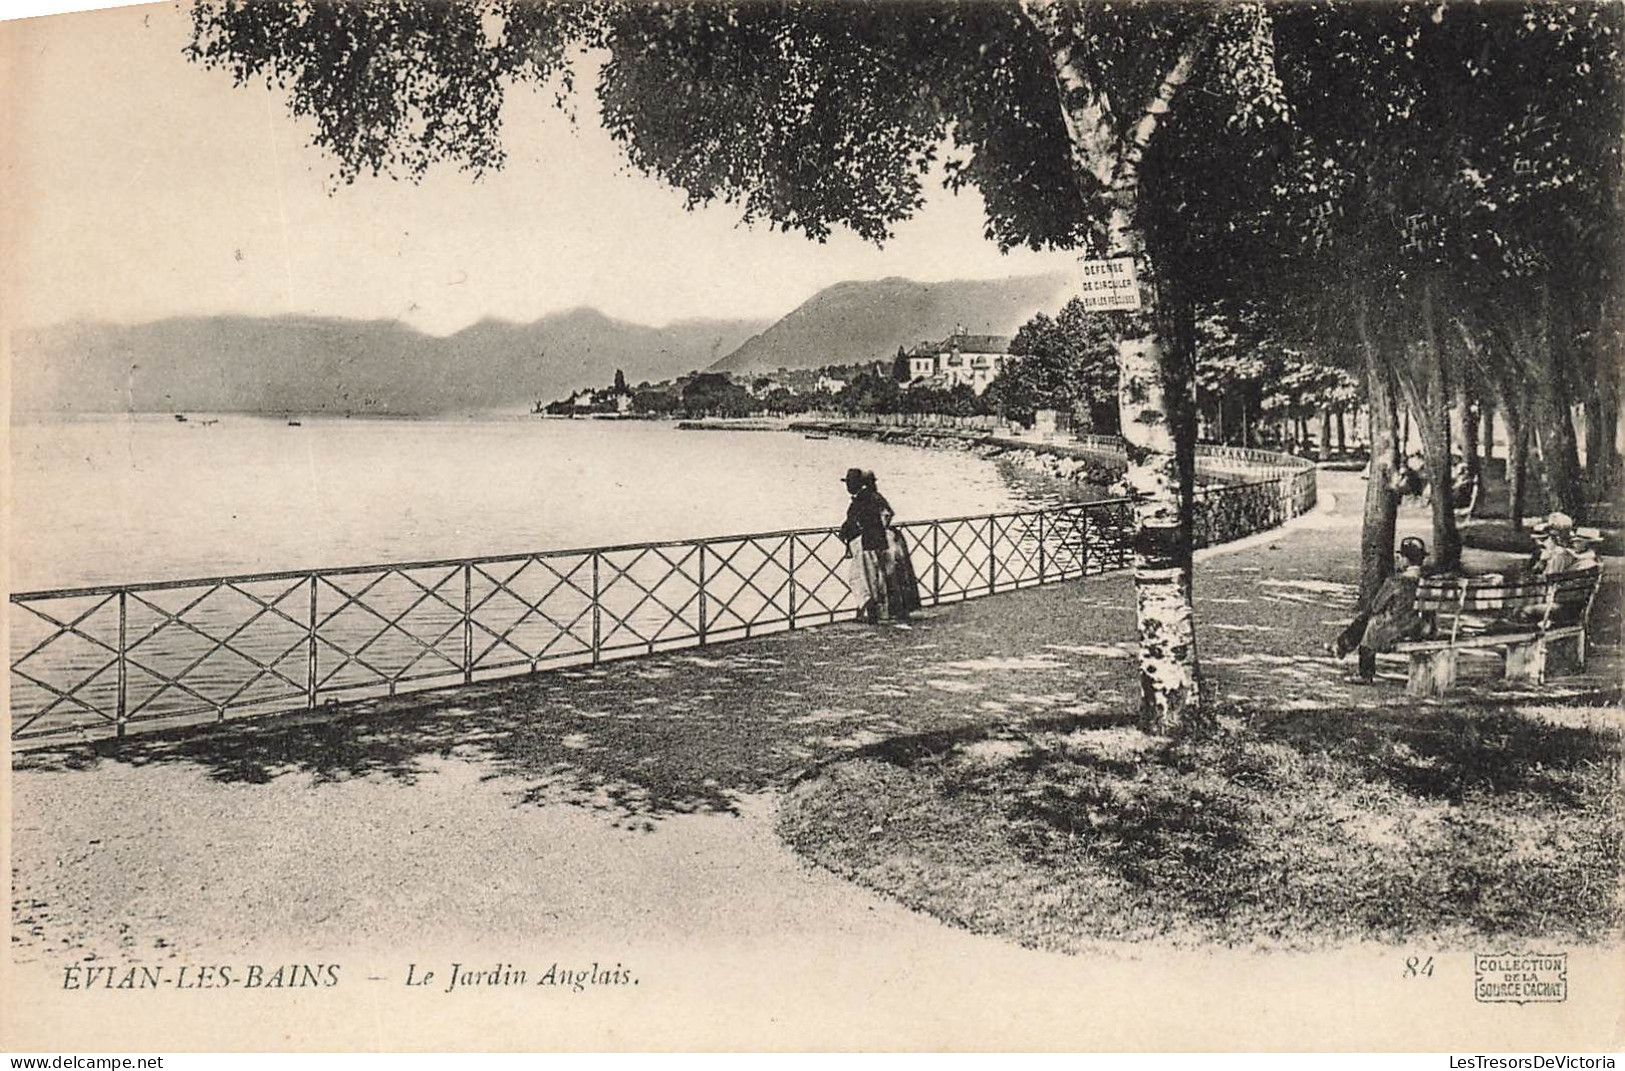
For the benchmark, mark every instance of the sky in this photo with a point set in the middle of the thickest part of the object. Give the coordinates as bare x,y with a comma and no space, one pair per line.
148,186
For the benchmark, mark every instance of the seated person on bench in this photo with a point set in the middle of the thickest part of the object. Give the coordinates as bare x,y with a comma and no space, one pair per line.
1391,617
1554,546
1554,554
1585,548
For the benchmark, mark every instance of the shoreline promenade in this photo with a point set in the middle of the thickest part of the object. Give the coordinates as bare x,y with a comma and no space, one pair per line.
628,809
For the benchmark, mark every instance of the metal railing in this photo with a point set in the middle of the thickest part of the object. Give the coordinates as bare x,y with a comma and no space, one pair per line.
97,661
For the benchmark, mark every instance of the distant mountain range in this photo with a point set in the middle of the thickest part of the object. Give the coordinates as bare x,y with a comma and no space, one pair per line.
864,321
314,365
295,364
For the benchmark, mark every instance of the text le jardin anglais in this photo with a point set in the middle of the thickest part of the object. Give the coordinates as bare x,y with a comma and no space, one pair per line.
259,976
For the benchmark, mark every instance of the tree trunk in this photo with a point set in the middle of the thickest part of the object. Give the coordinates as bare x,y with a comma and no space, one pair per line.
1154,377
1553,420
1382,478
1464,435
1517,461
1460,410
1494,377
1150,381
1342,437
1464,427
1323,448
1602,462
1426,389
1559,451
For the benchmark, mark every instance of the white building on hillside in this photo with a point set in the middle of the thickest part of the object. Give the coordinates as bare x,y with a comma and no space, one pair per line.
960,358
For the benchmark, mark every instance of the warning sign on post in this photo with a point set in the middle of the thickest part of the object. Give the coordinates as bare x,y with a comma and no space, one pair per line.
1105,285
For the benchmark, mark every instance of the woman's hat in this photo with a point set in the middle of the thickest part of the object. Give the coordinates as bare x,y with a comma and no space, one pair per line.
1413,549
1588,535
1558,526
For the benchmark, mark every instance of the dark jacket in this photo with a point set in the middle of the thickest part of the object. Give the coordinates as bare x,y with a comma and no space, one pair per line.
867,516
1394,616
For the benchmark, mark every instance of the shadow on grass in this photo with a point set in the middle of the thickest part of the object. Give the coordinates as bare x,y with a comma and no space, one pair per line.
686,731
1448,754
1296,828
636,766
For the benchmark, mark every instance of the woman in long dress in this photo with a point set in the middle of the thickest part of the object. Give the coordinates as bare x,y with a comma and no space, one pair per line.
868,516
902,586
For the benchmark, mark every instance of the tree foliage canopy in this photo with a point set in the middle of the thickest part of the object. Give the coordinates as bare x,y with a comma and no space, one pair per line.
1066,362
807,114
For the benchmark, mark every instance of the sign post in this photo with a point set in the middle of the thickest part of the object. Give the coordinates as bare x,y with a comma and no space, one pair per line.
1107,285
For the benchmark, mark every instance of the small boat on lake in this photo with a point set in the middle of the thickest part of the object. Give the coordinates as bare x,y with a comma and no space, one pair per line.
180,418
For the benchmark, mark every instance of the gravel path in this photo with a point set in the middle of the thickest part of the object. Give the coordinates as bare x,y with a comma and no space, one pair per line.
625,815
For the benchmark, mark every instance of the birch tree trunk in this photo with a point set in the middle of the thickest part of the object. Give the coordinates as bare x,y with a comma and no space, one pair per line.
1153,378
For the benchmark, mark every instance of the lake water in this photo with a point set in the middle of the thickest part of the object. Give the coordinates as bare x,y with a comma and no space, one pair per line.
132,499
150,499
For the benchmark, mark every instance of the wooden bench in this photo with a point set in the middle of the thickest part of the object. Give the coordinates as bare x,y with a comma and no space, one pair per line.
1522,616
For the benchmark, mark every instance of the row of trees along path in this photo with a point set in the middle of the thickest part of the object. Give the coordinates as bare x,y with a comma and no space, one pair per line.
1433,183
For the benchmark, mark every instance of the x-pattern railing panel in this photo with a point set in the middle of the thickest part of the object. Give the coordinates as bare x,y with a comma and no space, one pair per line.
531,610
650,595
962,556
67,663
92,660
229,643
1016,549
380,628
82,620
1065,531
748,582
822,568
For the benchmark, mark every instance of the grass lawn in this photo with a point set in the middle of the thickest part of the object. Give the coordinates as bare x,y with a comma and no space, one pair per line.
1287,829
